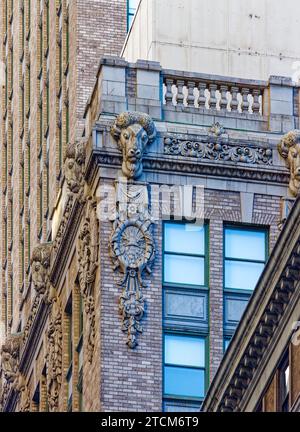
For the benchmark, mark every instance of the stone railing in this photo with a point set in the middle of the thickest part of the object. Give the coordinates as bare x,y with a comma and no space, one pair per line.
213,92
192,97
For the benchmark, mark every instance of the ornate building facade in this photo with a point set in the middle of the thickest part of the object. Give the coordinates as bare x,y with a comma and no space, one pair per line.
136,284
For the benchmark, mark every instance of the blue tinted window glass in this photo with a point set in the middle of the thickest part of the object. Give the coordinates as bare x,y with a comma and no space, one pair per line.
245,244
226,344
184,351
184,238
242,275
183,269
184,381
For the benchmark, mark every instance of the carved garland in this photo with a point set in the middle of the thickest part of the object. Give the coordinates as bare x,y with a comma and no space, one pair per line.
88,246
54,355
217,151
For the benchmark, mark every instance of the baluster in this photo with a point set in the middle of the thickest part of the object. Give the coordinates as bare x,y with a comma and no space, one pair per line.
180,95
169,93
212,100
256,104
190,96
202,98
245,102
234,101
223,101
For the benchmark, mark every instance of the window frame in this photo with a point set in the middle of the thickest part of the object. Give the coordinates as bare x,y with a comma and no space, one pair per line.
249,228
238,292
205,256
200,335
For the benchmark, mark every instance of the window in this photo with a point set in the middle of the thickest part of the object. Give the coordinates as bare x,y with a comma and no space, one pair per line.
284,385
185,315
184,366
184,254
245,254
132,7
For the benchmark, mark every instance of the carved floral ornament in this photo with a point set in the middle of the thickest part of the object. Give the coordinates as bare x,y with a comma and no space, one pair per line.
54,354
215,146
88,247
133,131
132,251
289,149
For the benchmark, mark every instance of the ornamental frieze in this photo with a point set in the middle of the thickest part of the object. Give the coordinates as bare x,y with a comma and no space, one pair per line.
214,150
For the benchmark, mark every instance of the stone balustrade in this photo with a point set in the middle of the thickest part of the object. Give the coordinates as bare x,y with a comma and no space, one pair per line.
193,98
213,93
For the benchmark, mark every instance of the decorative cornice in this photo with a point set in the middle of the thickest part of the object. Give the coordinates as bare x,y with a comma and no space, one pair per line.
187,166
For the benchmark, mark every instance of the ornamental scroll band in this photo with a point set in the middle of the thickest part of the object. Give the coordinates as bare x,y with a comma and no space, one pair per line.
215,146
131,243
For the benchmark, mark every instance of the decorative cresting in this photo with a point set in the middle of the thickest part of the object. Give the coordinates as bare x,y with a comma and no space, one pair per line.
10,352
215,146
88,247
132,250
289,149
54,353
74,166
133,131
40,263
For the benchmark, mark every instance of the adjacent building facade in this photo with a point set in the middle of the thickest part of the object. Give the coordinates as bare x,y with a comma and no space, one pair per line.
123,276
260,371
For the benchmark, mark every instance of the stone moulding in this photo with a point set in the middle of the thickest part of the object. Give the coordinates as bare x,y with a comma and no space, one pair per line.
206,149
132,251
88,251
190,166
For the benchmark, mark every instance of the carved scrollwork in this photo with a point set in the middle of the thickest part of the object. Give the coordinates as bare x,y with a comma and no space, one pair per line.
216,150
54,355
88,250
132,250
133,131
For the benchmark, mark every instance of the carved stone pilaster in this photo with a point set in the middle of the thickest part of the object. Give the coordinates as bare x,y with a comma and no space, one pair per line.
54,355
132,250
88,251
